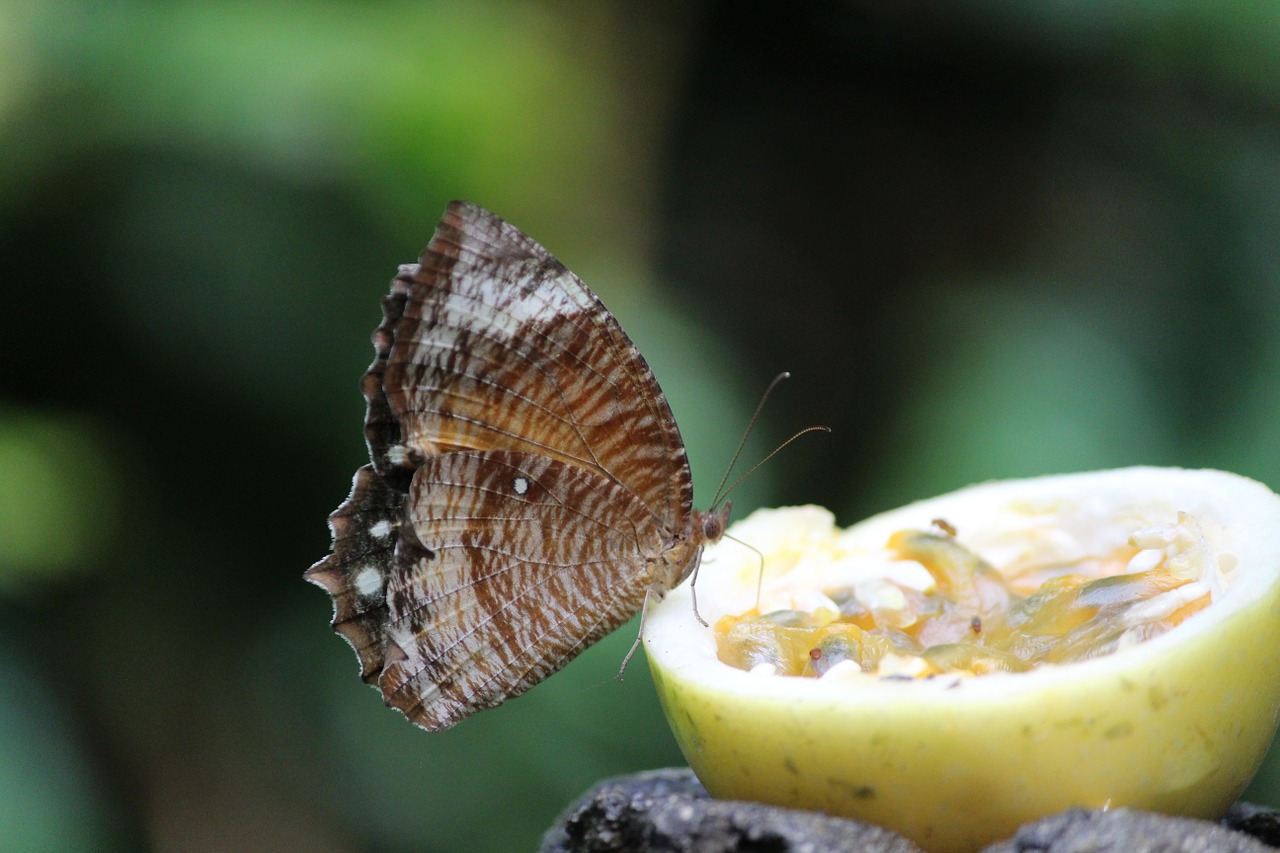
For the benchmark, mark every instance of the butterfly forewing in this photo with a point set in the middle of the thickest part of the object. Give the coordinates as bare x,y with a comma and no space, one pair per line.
501,347
381,426
529,560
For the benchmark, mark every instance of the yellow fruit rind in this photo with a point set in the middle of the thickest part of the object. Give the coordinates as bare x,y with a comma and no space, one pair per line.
955,764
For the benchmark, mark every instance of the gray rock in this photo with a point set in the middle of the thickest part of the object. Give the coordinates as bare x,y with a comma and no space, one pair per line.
1262,822
668,811
1125,831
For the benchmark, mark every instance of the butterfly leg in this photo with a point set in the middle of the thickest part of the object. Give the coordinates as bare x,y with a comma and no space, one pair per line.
693,588
649,595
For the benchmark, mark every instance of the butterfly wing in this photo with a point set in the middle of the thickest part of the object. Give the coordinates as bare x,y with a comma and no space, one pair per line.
366,528
508,566
500,347
491,359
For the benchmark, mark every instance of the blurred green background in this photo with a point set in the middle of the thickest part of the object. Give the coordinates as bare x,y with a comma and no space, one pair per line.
990,239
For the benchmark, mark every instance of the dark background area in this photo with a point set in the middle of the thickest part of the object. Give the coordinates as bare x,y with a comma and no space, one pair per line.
988,239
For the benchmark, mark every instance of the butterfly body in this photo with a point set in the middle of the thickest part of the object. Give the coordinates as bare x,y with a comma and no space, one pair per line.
528,487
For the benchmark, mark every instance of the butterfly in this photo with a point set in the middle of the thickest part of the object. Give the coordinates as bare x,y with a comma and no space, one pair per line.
528,490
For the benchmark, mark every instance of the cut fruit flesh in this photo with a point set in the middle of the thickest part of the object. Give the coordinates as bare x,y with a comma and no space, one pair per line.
970,618
1177,722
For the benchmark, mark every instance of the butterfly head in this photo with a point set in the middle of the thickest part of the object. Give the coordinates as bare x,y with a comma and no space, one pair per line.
714,521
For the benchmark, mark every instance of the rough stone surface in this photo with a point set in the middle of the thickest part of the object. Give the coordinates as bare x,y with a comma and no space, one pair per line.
1261,822
668,811
1125,831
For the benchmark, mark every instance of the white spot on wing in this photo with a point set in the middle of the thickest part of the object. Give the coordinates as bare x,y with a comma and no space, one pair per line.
381,530
521,485
369,581
397,454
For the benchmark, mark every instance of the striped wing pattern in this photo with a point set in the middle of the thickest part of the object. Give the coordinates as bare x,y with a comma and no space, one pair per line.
528,483
531,560
501,347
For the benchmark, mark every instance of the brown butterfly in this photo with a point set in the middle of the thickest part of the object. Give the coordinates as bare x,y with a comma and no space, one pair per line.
528,491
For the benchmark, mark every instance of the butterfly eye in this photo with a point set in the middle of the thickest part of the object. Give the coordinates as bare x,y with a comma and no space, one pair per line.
714,522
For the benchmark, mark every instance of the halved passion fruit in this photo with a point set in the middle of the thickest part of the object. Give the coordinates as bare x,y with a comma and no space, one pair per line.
963,665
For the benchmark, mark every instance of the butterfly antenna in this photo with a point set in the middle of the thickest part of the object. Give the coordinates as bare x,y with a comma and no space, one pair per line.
721,492
772,453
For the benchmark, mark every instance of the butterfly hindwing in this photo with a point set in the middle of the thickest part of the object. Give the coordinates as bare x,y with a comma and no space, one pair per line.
508,566
365,529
